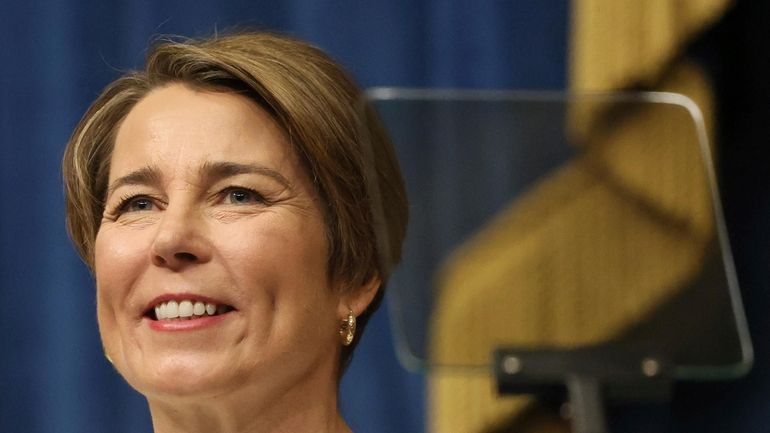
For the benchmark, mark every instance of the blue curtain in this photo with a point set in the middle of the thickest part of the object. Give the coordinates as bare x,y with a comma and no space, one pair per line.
57,55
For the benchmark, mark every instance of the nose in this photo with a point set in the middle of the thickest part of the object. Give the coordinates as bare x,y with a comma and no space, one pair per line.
180,240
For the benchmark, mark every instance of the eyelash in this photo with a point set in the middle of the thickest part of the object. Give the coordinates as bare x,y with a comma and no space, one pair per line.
127,200
258,198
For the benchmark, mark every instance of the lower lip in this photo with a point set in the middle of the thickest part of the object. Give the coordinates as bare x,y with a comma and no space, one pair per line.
186,325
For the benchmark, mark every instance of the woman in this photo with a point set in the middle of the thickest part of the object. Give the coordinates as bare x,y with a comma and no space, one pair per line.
240,212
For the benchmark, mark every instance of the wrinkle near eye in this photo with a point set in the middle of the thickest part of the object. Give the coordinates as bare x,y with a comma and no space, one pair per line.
136,222
230,216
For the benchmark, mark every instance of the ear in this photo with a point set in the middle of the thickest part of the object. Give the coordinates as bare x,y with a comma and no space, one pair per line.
358,299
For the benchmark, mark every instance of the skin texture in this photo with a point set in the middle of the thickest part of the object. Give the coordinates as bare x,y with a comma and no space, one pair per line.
176,222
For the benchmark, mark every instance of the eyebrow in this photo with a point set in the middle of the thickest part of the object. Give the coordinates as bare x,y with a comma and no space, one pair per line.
214,171
210,172
149,175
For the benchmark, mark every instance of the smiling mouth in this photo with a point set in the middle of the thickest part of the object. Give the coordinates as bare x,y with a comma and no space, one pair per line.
186,310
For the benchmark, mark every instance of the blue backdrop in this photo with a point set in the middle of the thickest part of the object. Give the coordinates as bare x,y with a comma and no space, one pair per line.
57,55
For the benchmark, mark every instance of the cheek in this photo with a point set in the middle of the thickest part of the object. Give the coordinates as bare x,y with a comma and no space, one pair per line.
286,263
279,248
118,259
116,252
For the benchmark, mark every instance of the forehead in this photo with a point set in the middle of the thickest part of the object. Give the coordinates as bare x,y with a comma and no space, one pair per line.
176,127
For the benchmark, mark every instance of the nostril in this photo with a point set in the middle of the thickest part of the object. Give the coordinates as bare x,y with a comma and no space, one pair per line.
187,257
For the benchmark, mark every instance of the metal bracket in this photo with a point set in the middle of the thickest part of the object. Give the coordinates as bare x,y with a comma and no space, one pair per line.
590,377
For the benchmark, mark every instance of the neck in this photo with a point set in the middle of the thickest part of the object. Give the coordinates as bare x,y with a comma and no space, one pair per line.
309,406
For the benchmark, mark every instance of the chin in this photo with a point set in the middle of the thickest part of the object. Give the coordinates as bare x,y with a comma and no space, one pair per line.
181,376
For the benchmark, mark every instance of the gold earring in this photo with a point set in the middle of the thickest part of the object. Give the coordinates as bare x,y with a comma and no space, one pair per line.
348,329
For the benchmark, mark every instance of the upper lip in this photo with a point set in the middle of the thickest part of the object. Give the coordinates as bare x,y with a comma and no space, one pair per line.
182,297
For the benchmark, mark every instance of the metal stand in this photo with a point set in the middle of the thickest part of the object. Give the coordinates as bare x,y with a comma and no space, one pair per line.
590,376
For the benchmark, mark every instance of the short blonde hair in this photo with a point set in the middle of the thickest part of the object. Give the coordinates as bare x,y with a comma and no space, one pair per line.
340,141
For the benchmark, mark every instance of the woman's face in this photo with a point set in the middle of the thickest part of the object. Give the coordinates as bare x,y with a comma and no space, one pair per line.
210,211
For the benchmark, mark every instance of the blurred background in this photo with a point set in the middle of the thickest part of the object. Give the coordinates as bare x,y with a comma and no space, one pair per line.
58,55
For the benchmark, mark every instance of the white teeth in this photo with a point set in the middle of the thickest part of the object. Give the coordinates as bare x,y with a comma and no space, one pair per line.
172,310
187,309
199,308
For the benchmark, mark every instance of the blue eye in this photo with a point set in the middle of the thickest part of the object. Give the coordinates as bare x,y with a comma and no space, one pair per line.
136,204
243,196
140,204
